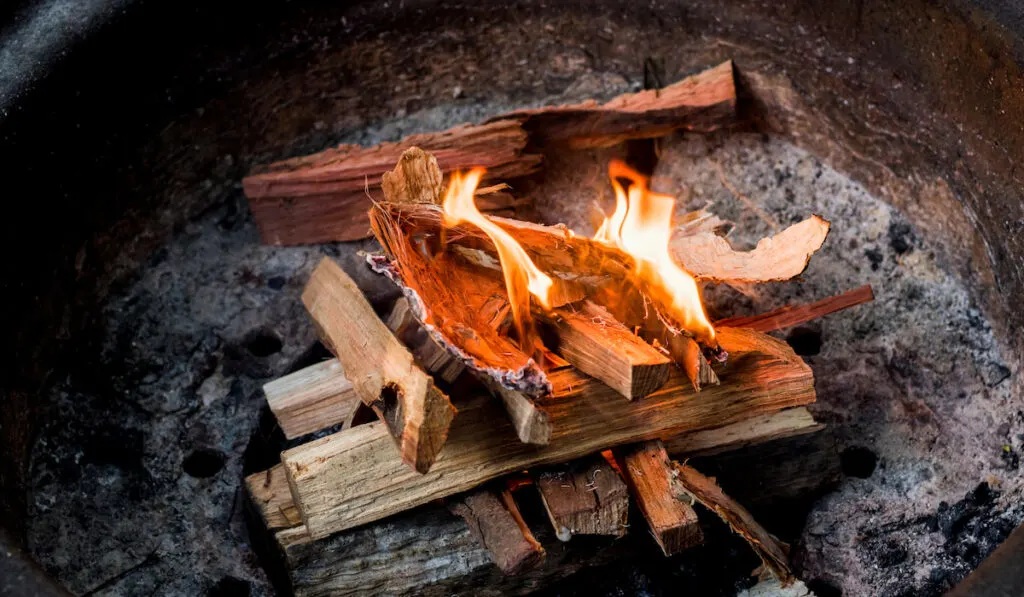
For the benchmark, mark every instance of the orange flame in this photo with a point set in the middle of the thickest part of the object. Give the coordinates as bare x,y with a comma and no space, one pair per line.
642,226
522,278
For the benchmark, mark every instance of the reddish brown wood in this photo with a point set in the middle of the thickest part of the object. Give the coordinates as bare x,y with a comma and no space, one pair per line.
324,197
796,314
584,497
494,519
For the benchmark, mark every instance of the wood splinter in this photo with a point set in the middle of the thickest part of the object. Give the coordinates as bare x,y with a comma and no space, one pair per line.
382,371
710,495
584,497
648,471
792,315
494,519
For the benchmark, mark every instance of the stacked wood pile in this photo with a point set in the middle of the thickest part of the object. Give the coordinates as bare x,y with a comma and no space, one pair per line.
440,402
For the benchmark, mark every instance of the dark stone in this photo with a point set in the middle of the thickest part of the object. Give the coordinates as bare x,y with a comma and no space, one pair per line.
858,462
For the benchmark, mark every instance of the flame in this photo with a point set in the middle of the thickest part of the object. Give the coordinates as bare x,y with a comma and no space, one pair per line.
642,226
522,278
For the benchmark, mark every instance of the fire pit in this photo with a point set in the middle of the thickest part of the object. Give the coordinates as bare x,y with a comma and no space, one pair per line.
148,410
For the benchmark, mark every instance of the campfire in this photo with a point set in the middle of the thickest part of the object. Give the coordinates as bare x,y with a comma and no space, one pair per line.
524,357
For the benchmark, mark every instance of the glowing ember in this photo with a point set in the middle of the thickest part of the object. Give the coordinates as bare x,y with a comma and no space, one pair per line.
641,226
522,278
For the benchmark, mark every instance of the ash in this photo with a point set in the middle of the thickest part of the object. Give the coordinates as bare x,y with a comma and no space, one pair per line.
136,480
914,384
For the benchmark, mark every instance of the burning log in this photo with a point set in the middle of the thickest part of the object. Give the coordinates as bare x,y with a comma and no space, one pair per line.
494,519
792,315
711,496
341,481
429,354
380,368
710,257
673,522
584,497
323,197
598,345
311,399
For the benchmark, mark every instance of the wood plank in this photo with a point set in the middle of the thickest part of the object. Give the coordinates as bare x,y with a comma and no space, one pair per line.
754,430
494,519
647,471
792,315
311,399
711,496
584,497
351,478
598,345
382,371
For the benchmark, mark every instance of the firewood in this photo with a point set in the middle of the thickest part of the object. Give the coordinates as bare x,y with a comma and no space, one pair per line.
683,349
323,197
711,496
584,497
598,345
708,256
311,399
758,429
273,500
381,369
351,478
792,315
672,522
428,552
495,521
702,102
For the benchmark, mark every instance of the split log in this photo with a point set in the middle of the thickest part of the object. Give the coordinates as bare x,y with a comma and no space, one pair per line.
323,197
311,399
755,430
427,551
584,497
711,496
647,470
792,315
494,519
381,369
598,345
703,102
351,478
710,257
683,349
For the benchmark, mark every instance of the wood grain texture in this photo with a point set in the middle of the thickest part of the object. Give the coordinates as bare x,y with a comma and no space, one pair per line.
531,422
792,315
494,519
427,551
323,197
269,492
751,431
353,477
584,497
428,353
648,472
598,345
710,495
311,399
382,371
703,102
